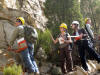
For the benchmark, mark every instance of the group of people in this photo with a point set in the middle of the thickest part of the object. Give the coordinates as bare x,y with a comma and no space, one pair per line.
26,37
83,38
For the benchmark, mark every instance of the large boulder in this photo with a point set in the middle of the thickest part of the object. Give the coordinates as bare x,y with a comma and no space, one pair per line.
41,55
56,71
6,30
45,68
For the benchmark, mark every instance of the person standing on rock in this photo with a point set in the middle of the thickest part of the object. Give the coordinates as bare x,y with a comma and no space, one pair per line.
64,40
83,44
26,37
88,28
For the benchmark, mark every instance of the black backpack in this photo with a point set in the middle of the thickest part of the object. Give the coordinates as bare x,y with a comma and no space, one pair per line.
30,34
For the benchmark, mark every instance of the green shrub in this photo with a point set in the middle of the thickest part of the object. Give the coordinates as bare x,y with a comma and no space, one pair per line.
44,40
12,70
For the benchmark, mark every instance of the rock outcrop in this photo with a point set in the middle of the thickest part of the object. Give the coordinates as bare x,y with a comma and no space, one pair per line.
31,10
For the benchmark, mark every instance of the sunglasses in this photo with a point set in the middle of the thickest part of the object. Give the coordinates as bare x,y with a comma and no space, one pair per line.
18,20
74,24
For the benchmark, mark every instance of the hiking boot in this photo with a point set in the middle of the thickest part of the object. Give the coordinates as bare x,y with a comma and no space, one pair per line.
87,73
36,73
31,74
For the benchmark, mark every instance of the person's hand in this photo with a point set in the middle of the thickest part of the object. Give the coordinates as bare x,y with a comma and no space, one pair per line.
9,48
17,51
81,36
62,40
78,38
74,40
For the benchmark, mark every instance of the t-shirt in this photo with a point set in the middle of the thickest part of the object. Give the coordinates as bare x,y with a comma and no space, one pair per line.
61,37
77,34
80,31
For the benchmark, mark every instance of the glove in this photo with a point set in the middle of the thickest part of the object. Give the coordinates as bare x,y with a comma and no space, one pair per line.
77,38
9,48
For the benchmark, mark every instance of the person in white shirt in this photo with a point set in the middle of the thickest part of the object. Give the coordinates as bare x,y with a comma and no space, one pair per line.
88,28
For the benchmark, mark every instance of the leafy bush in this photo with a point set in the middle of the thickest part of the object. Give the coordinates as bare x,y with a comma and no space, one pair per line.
44,40
12,70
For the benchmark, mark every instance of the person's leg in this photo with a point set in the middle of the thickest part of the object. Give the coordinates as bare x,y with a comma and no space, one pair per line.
62,60
83,57
69,62
27,60
92,51
19,61
31,52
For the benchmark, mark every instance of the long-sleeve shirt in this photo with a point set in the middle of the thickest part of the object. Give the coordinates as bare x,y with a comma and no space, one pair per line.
17,33
89,30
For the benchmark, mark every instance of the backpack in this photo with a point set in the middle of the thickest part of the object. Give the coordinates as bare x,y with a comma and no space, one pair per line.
30,34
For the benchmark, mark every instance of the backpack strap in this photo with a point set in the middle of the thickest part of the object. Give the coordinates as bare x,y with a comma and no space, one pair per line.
89,34
67,35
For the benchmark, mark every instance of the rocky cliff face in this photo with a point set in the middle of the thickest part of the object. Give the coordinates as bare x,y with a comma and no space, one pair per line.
31,10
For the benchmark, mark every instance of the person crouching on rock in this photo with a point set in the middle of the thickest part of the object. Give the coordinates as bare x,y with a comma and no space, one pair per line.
25,47
64,40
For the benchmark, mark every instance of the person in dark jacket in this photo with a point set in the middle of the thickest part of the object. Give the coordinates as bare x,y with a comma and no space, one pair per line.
83,45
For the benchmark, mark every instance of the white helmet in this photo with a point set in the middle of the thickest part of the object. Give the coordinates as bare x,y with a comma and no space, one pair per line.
75,22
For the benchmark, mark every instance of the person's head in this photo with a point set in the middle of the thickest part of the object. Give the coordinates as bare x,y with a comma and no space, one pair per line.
75,25
20,21
87,21
63,27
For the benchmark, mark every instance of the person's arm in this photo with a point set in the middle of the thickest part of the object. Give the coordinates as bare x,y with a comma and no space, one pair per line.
83,33
69,40
14,36
90,31
79,37
35,34
55,41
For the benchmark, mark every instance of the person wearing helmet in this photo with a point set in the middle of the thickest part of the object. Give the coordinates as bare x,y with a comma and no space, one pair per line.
83,44
19,30
88,28
65,49
27,52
